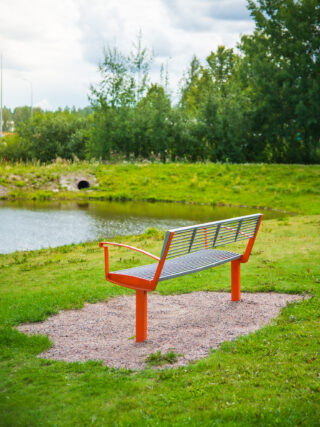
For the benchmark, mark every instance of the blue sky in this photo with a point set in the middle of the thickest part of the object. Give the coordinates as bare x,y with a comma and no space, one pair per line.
54,46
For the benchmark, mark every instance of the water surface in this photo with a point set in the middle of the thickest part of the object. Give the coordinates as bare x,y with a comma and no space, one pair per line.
35,225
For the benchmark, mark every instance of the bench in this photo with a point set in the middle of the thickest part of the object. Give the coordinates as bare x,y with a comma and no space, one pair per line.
186,250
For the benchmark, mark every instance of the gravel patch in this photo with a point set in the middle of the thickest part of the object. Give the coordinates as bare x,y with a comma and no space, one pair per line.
189,324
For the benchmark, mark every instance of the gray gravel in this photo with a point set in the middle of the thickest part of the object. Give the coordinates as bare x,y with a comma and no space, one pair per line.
190,324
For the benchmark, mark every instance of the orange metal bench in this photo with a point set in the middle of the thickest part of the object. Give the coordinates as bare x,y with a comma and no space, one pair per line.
186,250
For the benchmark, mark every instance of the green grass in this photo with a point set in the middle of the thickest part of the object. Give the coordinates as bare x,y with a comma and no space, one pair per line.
160,359
271,377
294,188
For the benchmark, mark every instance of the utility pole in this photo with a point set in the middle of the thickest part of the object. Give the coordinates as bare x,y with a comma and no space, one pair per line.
1,95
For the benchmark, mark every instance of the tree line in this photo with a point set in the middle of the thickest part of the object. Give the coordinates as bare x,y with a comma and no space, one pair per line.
257,104
12,118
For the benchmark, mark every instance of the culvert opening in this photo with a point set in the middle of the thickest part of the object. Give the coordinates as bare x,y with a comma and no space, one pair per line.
83,183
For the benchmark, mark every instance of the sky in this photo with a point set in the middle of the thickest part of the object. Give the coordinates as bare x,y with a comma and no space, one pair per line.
51,49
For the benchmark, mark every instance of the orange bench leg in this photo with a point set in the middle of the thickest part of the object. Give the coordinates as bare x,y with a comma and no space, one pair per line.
235,280
141,316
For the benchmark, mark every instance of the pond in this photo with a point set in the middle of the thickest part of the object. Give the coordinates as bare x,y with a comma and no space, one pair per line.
35,225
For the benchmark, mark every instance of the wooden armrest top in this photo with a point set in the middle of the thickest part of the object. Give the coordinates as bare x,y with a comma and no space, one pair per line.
105,244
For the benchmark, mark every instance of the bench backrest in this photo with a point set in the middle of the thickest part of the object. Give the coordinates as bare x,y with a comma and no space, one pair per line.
185,240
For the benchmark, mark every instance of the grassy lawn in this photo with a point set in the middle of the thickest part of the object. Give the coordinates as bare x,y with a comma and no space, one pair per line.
271,377
285,187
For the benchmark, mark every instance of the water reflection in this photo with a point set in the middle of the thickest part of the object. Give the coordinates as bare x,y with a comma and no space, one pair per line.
35,225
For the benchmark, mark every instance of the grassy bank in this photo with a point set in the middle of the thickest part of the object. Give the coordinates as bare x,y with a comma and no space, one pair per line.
294,188
267,378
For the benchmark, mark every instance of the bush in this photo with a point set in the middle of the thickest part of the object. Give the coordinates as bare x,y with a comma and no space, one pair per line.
60,134
13,148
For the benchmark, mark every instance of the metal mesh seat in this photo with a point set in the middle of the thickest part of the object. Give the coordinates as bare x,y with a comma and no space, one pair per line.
182,265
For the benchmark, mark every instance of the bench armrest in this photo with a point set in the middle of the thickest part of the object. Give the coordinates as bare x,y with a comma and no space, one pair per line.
105,244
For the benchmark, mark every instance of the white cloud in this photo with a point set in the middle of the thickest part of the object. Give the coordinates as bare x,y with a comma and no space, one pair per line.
45,105
57,44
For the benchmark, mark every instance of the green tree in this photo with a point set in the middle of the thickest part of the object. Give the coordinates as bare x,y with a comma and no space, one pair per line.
226,108
212,96
21,115
281,69
124,83
222,65
7,119
100,141
13,148
151,127
55,134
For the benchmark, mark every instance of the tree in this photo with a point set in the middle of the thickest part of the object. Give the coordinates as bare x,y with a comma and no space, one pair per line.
281,68
13,148
123,85
59,134
213,97
152,125
221,67
21,115
7,119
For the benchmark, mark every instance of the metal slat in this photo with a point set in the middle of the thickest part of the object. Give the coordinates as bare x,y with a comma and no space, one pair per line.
198,239
196,243
248,225
252,228
230,238
227,242
181,253
180,245
232,241
181,242
200,233
176,254
225,236
201,239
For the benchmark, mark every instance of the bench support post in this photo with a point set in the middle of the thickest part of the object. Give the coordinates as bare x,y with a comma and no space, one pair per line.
235,280
141,316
